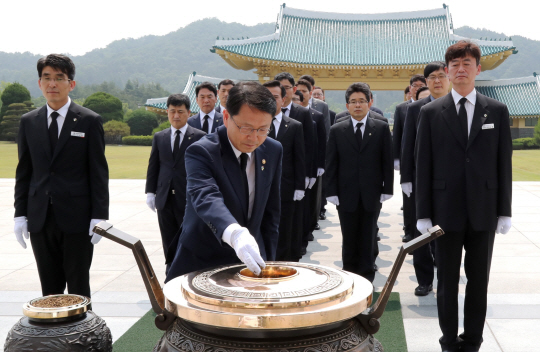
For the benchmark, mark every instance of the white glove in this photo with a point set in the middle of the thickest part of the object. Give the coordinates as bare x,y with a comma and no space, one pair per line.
246,249
298,195
504,224
407,188
151,201
307,182
311,182
334,200
385,197
95,237
20,229
396,164
423,225
320,172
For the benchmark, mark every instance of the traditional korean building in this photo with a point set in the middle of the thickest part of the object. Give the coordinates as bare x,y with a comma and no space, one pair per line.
337,49
522,96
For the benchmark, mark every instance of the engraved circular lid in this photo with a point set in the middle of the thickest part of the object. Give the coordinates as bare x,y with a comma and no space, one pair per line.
34,312
288,295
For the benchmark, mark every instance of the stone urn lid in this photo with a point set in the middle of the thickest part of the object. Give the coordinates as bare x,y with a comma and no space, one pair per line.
56,308
288,295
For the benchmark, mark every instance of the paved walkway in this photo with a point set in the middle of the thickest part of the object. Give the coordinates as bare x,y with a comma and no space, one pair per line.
118,293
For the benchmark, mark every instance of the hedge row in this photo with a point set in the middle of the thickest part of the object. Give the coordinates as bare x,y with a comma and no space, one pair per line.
137,140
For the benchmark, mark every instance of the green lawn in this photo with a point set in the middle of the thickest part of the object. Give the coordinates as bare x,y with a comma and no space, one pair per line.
132,161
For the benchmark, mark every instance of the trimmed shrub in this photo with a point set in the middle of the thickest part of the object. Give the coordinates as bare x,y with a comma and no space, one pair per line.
517,145
10,123
14,93
142,122
528,143
114,131
537,133
161,127
105,104
137,140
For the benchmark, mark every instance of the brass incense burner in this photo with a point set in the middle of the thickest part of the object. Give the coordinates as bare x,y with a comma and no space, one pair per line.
290,307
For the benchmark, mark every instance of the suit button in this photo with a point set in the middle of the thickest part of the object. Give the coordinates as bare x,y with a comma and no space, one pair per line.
47,193
467,160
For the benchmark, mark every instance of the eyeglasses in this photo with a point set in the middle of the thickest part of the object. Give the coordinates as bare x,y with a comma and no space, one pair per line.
439,77
417,86
248,130
356,102
57,79
287,87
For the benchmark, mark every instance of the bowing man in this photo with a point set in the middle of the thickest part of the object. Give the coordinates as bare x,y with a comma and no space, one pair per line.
207,119
233,189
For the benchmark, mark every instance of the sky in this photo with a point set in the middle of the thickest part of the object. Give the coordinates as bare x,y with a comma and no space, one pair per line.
76,27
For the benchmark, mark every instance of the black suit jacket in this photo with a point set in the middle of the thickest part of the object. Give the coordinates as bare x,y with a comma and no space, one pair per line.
320,131
399,122
215,200
293,172
332,118
303,116
195,121
460,179
352,172
372,114
166,173
407,167
75,177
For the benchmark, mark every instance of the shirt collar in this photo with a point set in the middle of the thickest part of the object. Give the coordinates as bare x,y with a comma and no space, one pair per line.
182,129
310,101
471,97
237,153
431,98
211,114
289,106
62,111
221,107
364,120
279,117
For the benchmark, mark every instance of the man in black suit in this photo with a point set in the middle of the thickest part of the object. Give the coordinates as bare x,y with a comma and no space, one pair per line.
291,136
372,114
359,178
223,93
464,185
233,189
318,104
166,175
207,119
438,86
61,185
345,114
416,82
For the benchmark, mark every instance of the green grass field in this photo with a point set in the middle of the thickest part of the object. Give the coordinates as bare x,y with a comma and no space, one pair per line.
132,161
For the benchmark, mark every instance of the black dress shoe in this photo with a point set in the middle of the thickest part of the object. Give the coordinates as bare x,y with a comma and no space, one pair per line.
322,216
401,208
317,226
407,237
423,290
310,237
375,267
303,251
378,238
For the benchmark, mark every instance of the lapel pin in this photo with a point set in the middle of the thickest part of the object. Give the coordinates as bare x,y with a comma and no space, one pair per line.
485,115
262,168
189,137
75,119
370,134
264,161
286,126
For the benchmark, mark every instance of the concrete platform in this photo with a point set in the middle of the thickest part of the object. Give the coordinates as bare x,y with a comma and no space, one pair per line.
120,298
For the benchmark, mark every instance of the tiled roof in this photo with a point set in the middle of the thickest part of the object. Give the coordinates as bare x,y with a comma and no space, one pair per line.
323,38
193,81
521,95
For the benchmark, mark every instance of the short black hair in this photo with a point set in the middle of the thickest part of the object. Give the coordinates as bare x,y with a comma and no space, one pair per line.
273,84
433,67
420,90
304,83
308,78
358,88
225,82
317,87
178,100
208,85
300,95
461,49
416,78
407,90
252,94
58,62
285,75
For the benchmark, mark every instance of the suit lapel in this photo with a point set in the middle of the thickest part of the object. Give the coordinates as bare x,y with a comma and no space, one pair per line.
450,116
197,119
479,116
71,120
166,144
185,142
283,127
368,131
260,176
43,131
349,133
217,120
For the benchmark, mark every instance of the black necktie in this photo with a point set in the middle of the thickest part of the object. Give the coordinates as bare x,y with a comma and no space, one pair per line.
176,148
243,166
284,110
205,124
359,134
463,116
272,133
53,131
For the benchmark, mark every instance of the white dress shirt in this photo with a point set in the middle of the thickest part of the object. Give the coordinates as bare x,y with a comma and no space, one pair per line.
288,112
173,135
62,112
211,115
250,172
277,122
222,108
363,121
469,106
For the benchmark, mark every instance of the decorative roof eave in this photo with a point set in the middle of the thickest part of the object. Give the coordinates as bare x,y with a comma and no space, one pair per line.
335,16
508,82
506,43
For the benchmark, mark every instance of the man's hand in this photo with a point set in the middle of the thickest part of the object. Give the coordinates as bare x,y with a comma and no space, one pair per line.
320,172
407,188
247,250
307,182
423,225
334,200
151,201
95,237
298,195
396,164
21,229
504,224
385,197
311,182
